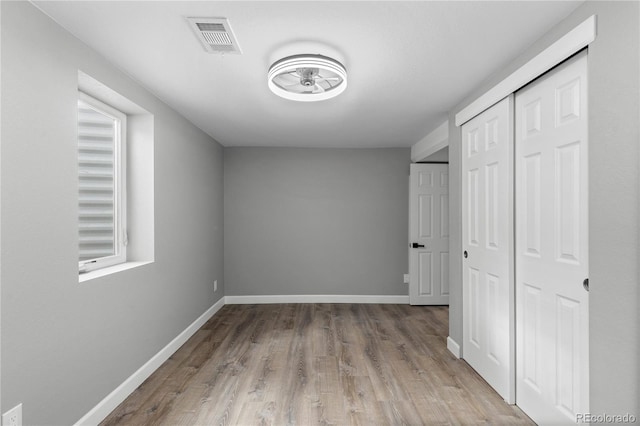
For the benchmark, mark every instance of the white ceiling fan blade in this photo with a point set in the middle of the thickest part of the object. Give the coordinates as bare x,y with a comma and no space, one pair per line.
317,88
297,88
289,78
328,78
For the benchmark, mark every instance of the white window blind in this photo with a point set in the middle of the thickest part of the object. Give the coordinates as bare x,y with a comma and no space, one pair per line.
101,238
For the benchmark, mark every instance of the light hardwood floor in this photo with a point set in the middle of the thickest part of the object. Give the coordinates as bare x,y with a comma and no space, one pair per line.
308,364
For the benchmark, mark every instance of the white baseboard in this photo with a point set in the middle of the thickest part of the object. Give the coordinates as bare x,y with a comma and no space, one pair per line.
316,298
111,401
453,347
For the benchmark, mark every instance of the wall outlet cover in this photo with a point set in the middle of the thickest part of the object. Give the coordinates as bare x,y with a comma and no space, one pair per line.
406,278
215,286
13,417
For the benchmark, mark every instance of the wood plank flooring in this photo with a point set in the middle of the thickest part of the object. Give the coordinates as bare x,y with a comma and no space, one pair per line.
307,364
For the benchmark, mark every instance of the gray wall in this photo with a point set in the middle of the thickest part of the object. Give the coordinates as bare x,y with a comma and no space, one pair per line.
614,114
67,345
316,221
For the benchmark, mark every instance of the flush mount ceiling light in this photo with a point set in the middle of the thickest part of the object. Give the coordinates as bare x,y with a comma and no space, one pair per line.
307,78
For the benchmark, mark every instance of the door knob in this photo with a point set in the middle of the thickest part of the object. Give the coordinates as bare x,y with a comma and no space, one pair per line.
416,245
465,254
585,284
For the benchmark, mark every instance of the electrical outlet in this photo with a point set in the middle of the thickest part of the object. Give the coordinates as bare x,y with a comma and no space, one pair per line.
406,278
13,417
215,286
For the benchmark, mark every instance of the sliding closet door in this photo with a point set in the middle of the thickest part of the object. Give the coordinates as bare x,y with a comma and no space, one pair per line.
487,232
552,245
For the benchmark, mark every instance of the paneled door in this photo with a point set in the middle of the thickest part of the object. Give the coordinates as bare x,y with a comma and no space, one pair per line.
429,234
552,299
487,243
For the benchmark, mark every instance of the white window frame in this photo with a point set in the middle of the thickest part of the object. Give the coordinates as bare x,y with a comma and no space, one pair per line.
120,187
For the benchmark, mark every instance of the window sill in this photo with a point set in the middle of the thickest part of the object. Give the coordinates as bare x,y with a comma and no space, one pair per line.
87,276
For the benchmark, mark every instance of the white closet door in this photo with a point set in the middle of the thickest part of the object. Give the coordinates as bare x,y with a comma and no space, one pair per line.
429,234
487,232
552,245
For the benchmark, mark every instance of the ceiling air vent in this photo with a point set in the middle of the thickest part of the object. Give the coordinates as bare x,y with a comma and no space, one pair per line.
215,34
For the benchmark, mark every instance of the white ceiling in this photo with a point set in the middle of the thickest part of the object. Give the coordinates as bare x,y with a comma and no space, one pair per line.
408,62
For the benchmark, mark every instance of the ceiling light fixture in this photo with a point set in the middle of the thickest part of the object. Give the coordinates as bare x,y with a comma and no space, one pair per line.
307,78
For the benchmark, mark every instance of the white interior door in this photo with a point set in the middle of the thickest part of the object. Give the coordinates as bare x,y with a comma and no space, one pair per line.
429,234
487,232
552,245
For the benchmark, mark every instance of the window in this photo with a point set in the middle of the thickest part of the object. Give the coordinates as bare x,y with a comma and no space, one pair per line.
102,237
